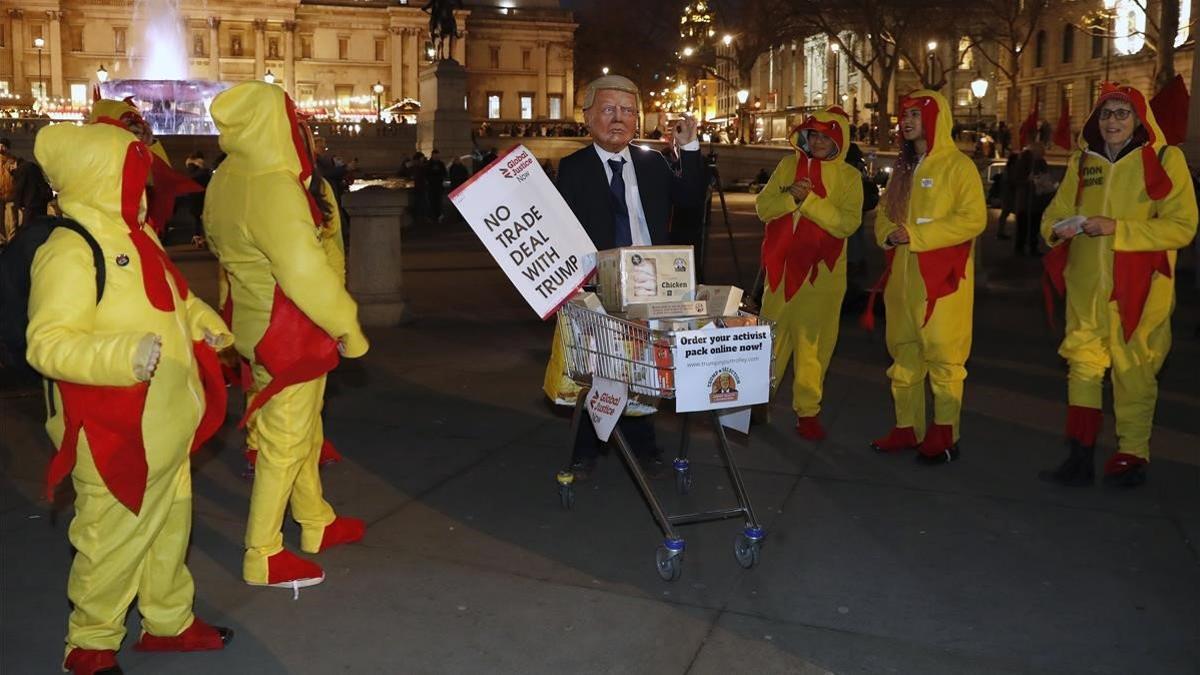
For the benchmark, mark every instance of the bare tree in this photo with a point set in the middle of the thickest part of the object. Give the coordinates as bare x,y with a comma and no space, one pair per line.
882,25
755,26
1004,29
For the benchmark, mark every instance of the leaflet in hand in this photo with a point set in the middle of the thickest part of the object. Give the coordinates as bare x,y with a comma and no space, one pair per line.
1073,225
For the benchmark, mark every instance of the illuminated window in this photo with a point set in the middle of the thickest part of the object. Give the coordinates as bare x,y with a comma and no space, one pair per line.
493,106
79,93
526,106
555,106
966,59
119,40
343,93
962,98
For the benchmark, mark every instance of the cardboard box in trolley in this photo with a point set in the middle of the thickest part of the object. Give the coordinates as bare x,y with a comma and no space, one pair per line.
638,275
722,300
667,310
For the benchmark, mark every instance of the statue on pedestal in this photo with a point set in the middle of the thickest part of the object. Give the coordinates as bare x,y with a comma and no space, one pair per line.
443,29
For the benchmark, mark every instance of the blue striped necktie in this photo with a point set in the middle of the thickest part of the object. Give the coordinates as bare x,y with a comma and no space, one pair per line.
616,188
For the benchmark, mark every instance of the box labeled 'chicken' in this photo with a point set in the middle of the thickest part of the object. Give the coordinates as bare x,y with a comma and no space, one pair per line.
638,275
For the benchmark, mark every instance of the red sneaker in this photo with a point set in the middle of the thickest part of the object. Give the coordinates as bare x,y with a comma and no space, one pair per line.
1125,470
342,530
92,662
939,446
810,428
329,454
198,637
899,439
288,570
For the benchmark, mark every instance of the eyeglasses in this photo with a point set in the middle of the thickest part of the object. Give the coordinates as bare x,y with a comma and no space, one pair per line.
1121,114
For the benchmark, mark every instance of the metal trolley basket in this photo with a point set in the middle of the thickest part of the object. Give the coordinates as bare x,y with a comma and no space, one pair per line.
596,344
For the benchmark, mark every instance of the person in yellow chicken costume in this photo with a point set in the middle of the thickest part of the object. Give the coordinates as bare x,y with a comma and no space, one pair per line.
932,212
811,204
165,182
134,387
291,316
1123,209
330,232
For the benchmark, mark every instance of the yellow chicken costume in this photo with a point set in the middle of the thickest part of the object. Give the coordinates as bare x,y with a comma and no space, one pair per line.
291,315
929,285
804,300
1120,289
165,182
134,387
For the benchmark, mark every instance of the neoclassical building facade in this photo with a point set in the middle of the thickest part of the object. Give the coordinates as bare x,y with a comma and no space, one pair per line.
519,57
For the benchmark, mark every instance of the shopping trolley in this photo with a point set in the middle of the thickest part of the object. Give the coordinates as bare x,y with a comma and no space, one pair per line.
595,344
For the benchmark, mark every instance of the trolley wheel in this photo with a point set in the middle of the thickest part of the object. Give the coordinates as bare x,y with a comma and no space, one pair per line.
683,481
566,496
745,550
669,563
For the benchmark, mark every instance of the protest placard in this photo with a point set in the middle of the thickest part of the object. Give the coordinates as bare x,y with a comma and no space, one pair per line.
722,368
523,221
605,404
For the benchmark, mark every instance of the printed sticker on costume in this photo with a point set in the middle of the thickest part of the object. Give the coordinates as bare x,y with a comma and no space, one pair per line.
926,182
1093,176
122,260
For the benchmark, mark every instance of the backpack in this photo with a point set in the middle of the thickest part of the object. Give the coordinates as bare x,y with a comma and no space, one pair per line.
16,261
8,184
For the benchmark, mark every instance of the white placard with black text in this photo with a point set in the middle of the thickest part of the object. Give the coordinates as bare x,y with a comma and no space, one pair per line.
528,228
722,368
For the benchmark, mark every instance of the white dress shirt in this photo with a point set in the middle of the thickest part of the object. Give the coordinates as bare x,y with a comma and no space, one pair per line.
639,229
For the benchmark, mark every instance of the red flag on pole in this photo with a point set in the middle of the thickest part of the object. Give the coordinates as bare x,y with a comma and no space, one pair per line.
1062,132
1170,108
1028,131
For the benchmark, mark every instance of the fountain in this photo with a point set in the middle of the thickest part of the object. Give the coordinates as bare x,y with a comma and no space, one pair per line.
171,103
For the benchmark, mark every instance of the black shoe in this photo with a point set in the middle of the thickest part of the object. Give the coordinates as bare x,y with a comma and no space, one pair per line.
1077,470
1130,478
225,633
943,457
583,469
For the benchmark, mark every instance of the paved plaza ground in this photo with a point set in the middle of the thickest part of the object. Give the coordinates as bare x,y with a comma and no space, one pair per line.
872,564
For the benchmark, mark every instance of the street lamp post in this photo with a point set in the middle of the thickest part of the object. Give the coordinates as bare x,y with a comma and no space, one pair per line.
837,69
378,89
1109,20
40,42
932,46
269,77
743,95
979,87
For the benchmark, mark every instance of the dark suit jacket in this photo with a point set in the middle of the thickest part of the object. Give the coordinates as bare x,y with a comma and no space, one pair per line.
584,185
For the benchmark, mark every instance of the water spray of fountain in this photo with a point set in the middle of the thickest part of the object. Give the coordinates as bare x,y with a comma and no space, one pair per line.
169,101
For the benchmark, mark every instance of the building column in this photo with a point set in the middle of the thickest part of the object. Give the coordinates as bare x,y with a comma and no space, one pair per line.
541,109
396,47
214,48
17,44
413,62
460,45
54,41
260,48
568,104
289,58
